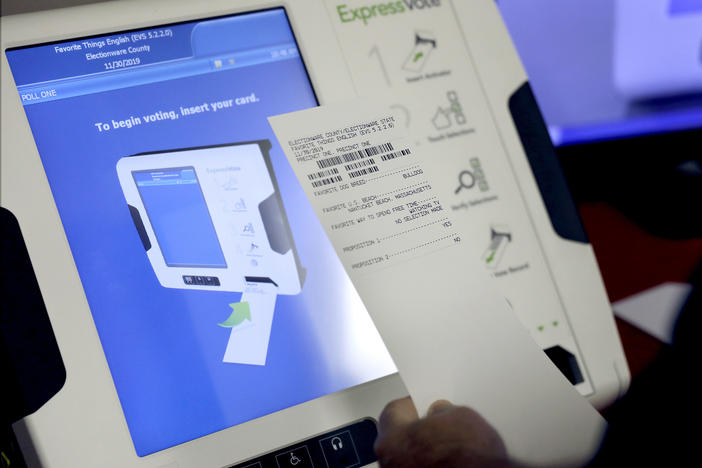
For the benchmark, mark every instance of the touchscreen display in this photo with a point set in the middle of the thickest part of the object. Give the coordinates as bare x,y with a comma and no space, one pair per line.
178,214
93,101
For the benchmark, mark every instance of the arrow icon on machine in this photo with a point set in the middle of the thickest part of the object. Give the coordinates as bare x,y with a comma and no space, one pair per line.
240,312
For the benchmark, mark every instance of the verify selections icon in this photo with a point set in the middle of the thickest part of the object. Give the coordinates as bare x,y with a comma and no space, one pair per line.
467,179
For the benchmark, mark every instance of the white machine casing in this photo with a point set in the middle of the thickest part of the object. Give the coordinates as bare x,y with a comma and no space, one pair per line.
83,425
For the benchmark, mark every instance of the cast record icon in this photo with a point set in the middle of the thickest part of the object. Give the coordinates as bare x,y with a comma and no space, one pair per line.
500,236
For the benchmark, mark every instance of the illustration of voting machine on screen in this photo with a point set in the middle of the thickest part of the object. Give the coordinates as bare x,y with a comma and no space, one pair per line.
211,218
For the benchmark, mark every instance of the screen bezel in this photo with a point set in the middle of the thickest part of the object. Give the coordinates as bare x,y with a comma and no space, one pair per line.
312,417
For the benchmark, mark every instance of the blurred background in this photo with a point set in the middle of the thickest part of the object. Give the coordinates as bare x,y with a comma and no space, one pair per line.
619,83
606,69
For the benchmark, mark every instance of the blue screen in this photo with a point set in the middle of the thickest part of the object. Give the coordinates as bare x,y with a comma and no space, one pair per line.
179,217
89,104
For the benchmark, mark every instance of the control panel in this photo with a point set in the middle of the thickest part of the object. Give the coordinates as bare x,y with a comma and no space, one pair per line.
344,447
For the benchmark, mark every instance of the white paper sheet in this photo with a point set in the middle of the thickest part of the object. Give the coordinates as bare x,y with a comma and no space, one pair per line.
449,332
248,341
655,310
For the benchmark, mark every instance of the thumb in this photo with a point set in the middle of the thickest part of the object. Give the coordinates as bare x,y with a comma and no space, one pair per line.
439,406
396,414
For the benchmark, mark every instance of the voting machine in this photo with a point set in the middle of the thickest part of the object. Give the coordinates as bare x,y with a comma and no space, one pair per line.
160,214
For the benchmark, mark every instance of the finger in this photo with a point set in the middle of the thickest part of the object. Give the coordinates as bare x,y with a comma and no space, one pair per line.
396,414
439,406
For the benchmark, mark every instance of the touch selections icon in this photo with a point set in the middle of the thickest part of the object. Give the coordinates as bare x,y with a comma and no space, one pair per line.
446,117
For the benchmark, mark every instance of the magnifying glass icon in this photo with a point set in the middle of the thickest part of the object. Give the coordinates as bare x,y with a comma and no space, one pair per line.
466,180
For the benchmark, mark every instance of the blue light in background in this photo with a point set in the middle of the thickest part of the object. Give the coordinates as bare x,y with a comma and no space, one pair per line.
678,7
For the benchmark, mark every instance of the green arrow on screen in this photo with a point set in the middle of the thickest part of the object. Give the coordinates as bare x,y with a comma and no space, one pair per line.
240,312
491,257
417,56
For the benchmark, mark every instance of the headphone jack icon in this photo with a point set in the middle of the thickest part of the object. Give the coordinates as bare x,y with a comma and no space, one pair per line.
337,444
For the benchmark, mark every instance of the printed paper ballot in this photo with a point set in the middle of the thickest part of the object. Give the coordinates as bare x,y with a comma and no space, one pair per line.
449,332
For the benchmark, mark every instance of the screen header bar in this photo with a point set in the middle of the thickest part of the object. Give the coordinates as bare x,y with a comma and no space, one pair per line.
109,53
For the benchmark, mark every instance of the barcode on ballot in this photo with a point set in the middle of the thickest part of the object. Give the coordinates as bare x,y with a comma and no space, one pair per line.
362,172
396,154
354,155
327,181
359,164
320,174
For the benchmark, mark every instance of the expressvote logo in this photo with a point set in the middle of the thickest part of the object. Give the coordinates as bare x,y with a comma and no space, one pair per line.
349,14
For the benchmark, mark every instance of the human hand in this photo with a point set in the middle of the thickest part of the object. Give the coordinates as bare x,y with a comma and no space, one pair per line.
449,436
